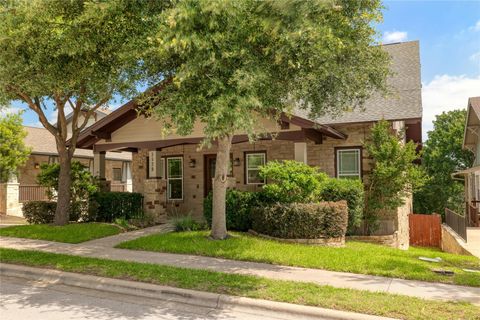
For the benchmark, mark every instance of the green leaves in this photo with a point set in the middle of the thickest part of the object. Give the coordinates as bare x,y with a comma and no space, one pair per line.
231,59
442,156
13,152
393,174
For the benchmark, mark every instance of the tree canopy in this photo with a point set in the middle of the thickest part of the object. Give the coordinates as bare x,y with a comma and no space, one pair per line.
443,155
227,63
227,59
71,56
13,152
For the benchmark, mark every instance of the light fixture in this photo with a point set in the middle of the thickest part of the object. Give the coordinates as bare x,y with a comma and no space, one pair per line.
36,166
192,163
236,162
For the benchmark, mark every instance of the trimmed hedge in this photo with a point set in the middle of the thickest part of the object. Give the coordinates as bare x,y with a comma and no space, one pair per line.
43,212
350,190
302,220
108,206
239,205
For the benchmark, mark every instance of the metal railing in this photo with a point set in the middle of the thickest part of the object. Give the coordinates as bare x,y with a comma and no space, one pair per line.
457,222
32,192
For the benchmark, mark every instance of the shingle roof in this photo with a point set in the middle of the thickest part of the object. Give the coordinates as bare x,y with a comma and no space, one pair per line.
406,99
43,142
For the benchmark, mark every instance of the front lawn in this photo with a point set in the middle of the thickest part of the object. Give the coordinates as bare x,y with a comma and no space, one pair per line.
70,233
356,257
382,304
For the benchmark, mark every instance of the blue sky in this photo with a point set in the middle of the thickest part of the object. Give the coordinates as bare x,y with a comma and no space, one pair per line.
449,35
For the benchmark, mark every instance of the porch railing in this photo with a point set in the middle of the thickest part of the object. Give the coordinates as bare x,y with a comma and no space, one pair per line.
457,222
118,187
473,214
32,192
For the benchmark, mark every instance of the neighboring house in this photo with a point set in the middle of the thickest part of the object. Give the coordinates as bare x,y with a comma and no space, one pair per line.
173,174
471,176
44,150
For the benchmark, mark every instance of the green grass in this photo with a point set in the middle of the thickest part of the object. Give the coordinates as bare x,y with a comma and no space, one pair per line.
70,233
381,304
355,257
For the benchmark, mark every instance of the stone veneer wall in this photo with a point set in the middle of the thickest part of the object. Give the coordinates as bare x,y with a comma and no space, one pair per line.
321,155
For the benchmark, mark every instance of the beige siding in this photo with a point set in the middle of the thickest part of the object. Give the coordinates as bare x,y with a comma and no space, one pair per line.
143,129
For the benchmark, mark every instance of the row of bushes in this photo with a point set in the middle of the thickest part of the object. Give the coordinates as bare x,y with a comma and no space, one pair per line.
290,182
101,207
301,220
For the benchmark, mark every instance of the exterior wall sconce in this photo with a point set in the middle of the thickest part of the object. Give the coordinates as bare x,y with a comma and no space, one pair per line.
192,163
236,162
36,166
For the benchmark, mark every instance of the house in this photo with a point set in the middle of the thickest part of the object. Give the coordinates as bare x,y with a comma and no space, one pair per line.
175,175
463,234
44,150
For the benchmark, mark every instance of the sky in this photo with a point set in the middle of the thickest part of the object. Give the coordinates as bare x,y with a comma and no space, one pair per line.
449,35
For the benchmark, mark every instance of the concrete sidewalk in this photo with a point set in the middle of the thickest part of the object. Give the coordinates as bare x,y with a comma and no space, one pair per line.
426,290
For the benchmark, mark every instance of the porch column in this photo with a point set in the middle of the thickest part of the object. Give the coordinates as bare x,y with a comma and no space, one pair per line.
99,164
300,152
127,176
9,198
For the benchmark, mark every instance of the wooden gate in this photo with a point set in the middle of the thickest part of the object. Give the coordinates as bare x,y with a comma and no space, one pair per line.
425,230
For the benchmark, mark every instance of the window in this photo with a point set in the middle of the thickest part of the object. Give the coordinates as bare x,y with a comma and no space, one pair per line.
253,161
175,178
349,163
117,174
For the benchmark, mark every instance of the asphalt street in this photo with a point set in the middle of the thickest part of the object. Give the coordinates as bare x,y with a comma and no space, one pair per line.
23,299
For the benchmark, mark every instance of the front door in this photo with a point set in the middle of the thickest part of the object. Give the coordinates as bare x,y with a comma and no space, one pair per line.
209,163
209,167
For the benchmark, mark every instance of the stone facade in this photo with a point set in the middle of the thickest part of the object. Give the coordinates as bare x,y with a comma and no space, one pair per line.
9,193
321,155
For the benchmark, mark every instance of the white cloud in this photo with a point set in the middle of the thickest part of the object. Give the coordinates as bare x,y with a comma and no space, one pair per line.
475,27
9,110
445,93
394,36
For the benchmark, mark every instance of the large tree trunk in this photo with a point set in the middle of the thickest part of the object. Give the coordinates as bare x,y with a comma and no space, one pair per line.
64,194
219,224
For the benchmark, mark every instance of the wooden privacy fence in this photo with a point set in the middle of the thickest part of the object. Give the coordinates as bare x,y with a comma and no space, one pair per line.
32,192
425,230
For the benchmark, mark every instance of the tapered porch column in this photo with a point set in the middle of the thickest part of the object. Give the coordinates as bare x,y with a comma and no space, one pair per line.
300,152
99,164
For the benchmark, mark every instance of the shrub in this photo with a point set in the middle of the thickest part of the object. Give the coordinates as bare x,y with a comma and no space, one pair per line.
238,207
301,220
109,206
42,212
187,223
350,190
291,181
39,212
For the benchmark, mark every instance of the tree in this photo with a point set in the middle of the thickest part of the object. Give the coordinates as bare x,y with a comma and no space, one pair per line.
393,175
443,155
13,152
70,56
228,63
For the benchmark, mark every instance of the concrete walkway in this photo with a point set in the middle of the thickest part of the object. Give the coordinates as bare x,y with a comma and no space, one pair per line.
473,241
102,249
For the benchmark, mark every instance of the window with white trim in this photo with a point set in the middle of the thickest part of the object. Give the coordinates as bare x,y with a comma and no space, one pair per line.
349,163
253,162
175,178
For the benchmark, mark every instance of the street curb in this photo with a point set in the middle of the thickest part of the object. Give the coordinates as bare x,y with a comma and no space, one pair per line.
171,294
